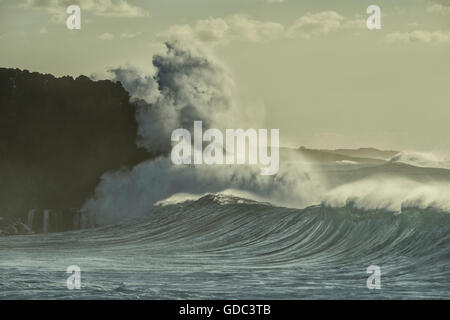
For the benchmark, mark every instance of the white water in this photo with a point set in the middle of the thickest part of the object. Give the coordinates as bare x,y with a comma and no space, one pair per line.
390,193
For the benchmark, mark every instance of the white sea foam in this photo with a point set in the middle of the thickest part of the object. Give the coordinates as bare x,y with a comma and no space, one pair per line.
390,193
422,159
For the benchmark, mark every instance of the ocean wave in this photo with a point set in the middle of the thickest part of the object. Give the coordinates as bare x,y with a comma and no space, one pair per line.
422,159
267,235
390,193
218,245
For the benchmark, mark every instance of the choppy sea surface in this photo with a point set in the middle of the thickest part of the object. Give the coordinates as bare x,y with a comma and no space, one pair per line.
223,247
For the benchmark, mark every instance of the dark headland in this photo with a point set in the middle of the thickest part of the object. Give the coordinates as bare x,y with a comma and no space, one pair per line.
57,137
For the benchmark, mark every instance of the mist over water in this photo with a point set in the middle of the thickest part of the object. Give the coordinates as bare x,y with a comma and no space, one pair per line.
422,159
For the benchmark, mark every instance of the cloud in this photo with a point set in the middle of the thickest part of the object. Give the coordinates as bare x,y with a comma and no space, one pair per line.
123,35
439,8
106,8
419,36
106,36
241,27
312,24
237,27
43,30
355,24
130,35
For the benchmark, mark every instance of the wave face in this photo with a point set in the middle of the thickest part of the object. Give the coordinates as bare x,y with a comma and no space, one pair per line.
220,246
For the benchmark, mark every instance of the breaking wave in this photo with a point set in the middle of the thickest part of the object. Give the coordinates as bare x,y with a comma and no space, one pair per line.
222,246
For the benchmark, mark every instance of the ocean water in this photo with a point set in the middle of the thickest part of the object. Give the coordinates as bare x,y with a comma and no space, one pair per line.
225,247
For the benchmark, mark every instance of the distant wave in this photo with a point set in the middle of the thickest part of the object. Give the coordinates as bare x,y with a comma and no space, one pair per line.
233,194
391,194
422,159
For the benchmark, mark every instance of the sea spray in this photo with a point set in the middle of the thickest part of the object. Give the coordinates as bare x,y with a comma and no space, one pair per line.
188,86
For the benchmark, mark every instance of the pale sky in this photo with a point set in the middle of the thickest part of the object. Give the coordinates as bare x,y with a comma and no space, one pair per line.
319,74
